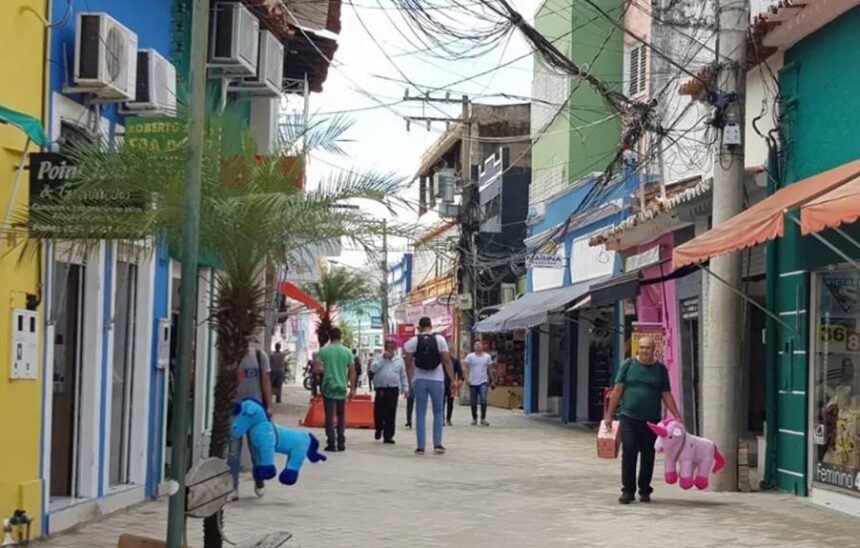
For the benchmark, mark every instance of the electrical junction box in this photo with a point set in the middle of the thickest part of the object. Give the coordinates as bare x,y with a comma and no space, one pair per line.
25,344
732,134
163,344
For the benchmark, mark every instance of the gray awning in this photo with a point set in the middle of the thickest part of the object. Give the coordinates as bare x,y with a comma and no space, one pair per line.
531,309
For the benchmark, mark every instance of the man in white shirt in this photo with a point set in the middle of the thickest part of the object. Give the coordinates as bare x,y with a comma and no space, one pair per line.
426,354
478,374
389,377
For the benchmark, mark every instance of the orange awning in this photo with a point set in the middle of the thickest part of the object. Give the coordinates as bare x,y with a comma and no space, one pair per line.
294,292
839,206
765,220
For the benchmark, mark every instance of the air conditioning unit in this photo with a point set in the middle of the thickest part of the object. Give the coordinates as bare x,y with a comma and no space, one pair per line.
507,293
105,57
234,45
269,80
156,86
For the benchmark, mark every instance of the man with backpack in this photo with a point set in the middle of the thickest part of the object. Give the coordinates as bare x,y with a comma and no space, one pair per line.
254,374
426,354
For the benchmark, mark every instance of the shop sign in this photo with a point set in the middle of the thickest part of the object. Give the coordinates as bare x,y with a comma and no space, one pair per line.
545,260
690,309
839,335
819,434
52,181
405,330
845,290
653,330
641,260
376,322
838,476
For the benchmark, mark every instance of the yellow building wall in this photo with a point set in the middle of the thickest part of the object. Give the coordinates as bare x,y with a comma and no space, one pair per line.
22,64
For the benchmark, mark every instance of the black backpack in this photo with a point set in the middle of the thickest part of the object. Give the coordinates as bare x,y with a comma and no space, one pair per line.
427,354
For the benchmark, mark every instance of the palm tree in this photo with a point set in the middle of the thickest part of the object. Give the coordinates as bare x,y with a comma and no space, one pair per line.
336,287
253,214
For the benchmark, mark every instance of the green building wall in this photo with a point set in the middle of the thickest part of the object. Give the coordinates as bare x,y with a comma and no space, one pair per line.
820,110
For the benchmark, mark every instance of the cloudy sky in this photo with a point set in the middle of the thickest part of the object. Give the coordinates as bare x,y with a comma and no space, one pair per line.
362,77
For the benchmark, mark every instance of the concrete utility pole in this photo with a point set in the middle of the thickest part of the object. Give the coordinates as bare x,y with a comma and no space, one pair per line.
383,285
721,371
467,207
190,241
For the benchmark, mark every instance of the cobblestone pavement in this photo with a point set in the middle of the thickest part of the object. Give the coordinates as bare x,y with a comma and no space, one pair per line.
519,482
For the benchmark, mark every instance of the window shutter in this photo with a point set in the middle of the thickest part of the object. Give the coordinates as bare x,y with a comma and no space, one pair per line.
634,71
643,71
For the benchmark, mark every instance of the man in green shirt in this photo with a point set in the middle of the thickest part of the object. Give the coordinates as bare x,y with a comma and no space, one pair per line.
335,362
641,386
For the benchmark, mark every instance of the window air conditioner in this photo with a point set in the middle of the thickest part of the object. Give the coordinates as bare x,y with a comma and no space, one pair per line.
105,57
235,39
269,79
156,86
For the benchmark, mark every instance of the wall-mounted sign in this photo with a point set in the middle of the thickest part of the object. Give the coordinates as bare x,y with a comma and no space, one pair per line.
406,330
376,322
545,260
57,212
838,476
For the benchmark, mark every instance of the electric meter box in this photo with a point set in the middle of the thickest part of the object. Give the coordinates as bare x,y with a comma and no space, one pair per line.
25,344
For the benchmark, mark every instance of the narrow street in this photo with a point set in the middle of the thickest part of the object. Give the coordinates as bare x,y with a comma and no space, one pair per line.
520,482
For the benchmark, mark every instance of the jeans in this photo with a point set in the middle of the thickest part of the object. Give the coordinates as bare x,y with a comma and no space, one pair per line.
636,439
385,411
477,392
435,390
332,408
234,458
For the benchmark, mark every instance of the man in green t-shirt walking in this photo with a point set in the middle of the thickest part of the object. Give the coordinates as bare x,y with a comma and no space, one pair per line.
335,362
641,386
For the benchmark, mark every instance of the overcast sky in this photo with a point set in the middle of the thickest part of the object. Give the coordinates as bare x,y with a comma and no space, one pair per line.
378,139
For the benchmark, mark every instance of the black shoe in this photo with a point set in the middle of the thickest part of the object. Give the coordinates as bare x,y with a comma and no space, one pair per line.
341,448
377,435
644,498
409,425
419,451
626,498
390,442
439,449
330,448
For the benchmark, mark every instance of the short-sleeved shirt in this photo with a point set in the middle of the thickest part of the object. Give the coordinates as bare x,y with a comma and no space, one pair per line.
478,368
250,373
278,360
644,386
437,374
336,359
458,371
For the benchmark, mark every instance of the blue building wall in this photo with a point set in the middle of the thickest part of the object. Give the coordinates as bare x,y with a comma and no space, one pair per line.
153,26
557,211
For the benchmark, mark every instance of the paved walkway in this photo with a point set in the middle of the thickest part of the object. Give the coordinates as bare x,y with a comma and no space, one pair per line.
520,482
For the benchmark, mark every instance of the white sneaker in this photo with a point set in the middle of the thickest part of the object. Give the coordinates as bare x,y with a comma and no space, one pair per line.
260,490
234,496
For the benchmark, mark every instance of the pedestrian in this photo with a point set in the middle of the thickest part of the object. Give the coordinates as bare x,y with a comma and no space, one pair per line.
426,355
316,378
254,381
335,362
389,372
279,372
451,390
357,364
370,373
641,386
479,376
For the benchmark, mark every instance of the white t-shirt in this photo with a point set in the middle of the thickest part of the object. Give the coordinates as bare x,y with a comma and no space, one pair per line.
437,374
478,366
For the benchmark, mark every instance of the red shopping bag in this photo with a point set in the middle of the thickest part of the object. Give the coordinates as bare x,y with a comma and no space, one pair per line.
608,437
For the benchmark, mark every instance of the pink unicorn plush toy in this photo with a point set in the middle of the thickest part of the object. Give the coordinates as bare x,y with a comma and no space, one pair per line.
697,456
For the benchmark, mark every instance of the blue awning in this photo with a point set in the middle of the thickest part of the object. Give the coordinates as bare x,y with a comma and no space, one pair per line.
532,309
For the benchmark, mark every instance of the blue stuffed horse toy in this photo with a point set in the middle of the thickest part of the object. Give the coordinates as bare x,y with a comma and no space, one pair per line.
268,438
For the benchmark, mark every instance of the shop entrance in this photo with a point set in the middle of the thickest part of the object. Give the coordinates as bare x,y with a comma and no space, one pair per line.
68,313
122,385
601,355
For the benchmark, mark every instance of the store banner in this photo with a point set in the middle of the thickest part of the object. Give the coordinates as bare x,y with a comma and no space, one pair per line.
653,330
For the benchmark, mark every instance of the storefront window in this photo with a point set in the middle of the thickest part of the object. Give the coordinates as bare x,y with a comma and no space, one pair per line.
836,404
